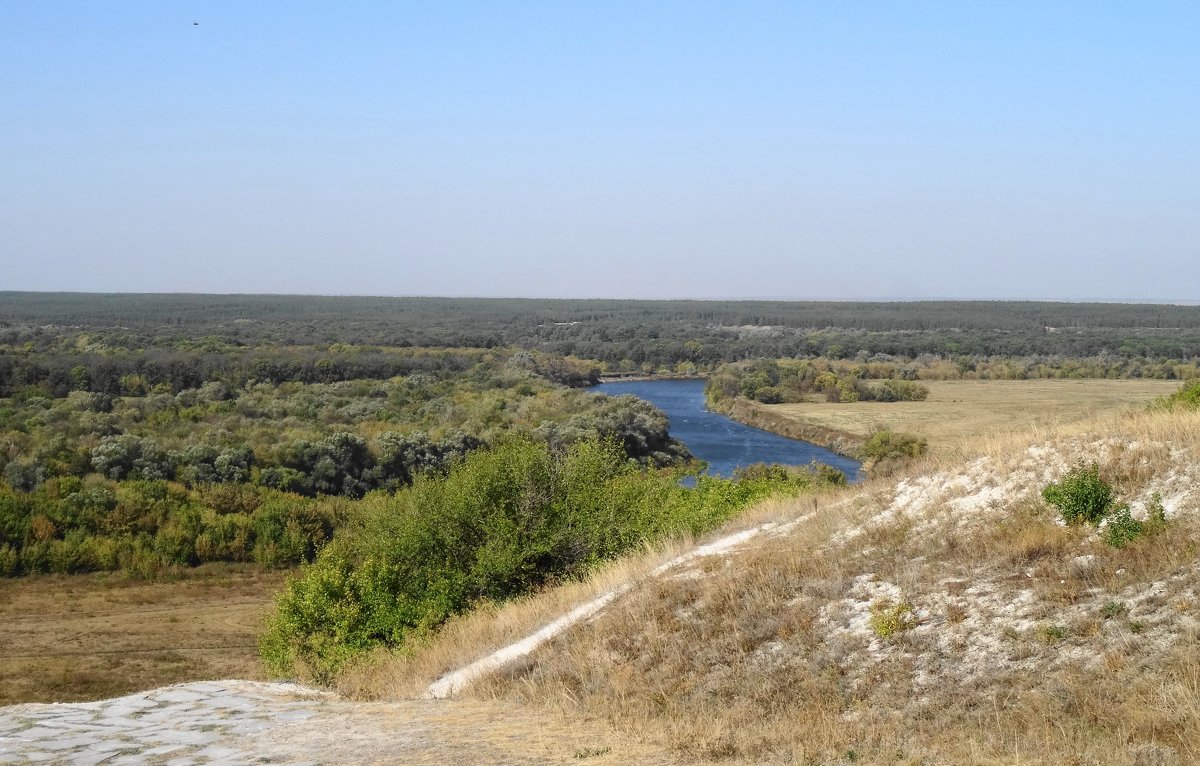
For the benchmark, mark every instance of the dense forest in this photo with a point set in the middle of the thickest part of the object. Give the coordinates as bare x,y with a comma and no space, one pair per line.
180,339
97,481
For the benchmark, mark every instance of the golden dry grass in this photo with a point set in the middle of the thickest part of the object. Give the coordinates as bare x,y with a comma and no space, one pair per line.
82,637
959,412
1030,642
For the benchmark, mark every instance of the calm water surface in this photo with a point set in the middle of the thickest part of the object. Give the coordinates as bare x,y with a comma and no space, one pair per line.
724,443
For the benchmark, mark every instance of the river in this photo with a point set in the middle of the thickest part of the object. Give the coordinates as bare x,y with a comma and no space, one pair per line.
724,443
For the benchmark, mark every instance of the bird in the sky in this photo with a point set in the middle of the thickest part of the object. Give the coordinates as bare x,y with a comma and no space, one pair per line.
195,23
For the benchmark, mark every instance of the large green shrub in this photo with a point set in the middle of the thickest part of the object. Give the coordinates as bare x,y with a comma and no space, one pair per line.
500,522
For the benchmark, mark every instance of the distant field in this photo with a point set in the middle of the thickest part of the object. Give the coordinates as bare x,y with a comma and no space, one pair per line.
961,410
84,637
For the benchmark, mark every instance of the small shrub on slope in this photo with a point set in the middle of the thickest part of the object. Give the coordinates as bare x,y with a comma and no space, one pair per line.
1081,495
888,619
1122,528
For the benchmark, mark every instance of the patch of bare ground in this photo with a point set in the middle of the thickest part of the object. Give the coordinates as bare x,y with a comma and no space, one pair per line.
86,637
235,722
942,618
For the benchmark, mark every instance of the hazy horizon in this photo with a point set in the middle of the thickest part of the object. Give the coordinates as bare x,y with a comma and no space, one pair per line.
713,299
772,151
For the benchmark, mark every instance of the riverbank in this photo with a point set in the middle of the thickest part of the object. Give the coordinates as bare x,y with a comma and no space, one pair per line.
724,442
761,416
610,377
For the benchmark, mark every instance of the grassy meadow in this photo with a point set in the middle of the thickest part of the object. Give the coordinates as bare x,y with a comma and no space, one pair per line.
957,413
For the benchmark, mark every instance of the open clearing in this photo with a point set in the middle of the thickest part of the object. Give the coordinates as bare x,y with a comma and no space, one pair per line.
83,637
958,412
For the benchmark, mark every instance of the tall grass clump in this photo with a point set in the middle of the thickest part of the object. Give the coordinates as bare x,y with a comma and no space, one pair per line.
502,521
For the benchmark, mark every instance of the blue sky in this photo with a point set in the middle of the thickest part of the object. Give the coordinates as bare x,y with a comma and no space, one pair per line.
1045,150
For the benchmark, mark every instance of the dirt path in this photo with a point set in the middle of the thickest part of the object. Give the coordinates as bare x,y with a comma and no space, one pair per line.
245,722
457,680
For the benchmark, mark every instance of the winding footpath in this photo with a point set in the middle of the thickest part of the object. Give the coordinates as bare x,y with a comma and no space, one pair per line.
458,680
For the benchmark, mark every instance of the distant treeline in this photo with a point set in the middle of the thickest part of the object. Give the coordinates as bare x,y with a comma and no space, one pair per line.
623,335
57,372
886,379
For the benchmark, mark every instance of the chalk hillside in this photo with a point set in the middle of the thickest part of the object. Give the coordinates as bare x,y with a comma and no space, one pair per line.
948,615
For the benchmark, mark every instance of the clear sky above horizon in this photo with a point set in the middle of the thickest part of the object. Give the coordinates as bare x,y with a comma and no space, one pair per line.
1043,150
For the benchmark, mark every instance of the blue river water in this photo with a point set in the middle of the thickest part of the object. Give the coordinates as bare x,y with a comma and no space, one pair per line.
724,443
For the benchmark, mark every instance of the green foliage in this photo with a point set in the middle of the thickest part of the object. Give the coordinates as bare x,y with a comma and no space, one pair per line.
148,527
818,473
10,561
121,343
892,445
1120,529
1186,398
1081,495
898,391
500,522
773,381
888,619
1113,609
346,437
25,475
1156,512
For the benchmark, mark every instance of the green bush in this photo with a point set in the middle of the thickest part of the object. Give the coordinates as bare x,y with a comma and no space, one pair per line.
1156,512
1113,609
1121,528
1081,495
895,391
891,445
888,619
500,522
10,561
1186,398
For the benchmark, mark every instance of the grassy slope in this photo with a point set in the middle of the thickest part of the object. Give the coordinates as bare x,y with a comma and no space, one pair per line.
1029,642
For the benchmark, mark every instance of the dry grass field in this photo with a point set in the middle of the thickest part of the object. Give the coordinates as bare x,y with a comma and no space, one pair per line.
959,412
82,637
945,617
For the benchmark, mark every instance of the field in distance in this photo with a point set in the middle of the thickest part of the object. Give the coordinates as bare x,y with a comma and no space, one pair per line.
958,412
83,637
